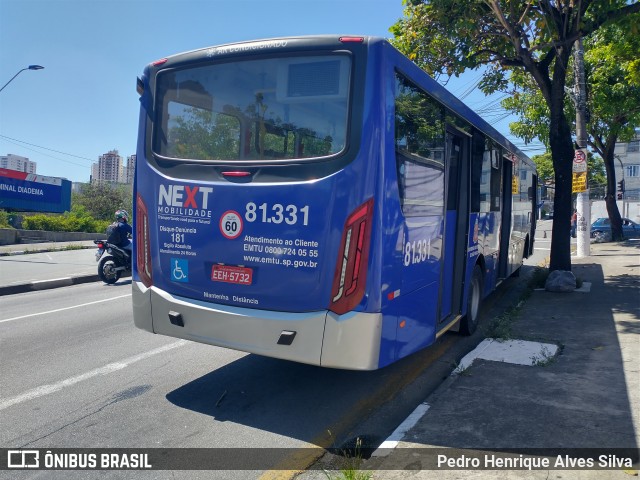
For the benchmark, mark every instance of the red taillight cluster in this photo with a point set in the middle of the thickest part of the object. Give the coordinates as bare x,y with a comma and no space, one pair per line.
100,245
143,247
351,269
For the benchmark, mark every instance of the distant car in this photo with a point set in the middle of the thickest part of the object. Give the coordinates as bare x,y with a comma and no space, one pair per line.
601,229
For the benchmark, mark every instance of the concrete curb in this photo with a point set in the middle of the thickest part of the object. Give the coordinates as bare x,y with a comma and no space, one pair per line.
47,284
10,253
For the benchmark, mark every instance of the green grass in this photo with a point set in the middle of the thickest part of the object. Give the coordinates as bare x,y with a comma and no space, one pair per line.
544,360
350,468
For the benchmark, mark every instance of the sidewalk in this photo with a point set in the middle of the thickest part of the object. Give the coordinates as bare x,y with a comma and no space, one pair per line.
585,396
72,277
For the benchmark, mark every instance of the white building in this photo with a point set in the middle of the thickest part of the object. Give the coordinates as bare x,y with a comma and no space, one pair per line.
627,164
130,169
16,162
108,169
628,167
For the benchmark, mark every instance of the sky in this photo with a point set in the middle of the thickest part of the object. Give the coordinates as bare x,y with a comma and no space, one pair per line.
84,103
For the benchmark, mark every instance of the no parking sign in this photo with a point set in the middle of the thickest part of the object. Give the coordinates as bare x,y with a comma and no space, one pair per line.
580,161
579,183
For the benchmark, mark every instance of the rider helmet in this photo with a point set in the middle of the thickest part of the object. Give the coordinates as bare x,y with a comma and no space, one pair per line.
122,215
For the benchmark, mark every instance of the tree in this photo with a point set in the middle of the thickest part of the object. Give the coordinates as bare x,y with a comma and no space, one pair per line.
612,66
513,37
613,77
544,165
102,200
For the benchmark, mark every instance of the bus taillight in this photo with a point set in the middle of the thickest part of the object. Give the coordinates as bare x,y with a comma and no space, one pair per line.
351,270
143,247
352,39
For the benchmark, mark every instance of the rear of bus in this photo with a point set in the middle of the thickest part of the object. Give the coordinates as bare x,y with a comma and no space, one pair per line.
255,209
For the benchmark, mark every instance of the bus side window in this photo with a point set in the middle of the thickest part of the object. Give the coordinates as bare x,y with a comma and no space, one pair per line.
479,195
419,140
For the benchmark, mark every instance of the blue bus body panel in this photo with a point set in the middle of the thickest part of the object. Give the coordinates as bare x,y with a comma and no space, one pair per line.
275,246
201,227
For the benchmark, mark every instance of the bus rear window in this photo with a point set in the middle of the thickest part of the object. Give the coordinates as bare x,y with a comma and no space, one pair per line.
265,109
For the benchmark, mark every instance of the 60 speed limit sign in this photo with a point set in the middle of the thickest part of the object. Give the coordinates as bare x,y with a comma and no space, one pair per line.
231,224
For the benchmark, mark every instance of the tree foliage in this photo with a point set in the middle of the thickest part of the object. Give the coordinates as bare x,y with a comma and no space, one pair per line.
613,82
612,64
102,200
513,37
546,174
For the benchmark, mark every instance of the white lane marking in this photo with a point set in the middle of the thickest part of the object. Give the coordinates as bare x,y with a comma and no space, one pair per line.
65,308
110,368
392,442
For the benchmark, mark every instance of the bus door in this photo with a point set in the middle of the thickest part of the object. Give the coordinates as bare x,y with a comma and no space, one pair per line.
505,224
456,225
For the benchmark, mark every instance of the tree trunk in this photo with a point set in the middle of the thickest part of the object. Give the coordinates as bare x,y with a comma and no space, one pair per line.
615,218
562,153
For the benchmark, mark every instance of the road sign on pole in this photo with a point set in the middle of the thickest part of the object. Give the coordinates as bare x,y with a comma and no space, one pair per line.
580,161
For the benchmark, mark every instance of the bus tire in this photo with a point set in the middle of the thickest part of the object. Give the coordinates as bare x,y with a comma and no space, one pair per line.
469,322
106,270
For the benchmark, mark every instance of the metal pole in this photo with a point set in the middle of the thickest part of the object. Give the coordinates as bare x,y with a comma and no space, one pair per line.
19,72
583,230
624,214
30,67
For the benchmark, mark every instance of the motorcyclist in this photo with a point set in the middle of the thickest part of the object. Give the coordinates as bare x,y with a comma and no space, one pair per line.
120,230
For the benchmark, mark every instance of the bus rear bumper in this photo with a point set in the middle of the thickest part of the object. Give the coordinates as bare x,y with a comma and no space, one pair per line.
350,341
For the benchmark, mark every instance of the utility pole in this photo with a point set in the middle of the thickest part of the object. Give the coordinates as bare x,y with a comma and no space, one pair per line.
583,230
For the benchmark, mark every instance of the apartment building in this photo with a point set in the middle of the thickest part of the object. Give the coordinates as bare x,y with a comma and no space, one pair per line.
16,162
109,168
130,169
628,167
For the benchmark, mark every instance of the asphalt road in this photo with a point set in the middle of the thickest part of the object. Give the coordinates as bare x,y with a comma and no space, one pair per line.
76,373
18,269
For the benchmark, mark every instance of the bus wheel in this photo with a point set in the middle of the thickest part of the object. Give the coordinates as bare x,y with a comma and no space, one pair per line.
469,323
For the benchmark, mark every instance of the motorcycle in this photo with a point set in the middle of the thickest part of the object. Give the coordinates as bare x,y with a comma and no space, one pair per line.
113,265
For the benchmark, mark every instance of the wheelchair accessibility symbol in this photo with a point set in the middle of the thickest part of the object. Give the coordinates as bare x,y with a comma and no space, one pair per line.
179,270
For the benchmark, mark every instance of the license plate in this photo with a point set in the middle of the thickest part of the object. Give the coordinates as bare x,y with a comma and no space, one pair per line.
231,274
99,254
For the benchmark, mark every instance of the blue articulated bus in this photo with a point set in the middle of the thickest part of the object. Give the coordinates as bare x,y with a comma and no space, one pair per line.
321,200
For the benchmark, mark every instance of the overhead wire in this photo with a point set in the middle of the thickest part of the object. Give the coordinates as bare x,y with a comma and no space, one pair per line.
16,141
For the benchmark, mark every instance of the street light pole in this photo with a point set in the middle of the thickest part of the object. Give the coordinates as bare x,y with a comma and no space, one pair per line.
30,67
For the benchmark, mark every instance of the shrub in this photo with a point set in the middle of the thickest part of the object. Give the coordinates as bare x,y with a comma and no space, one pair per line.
4,219
76,221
